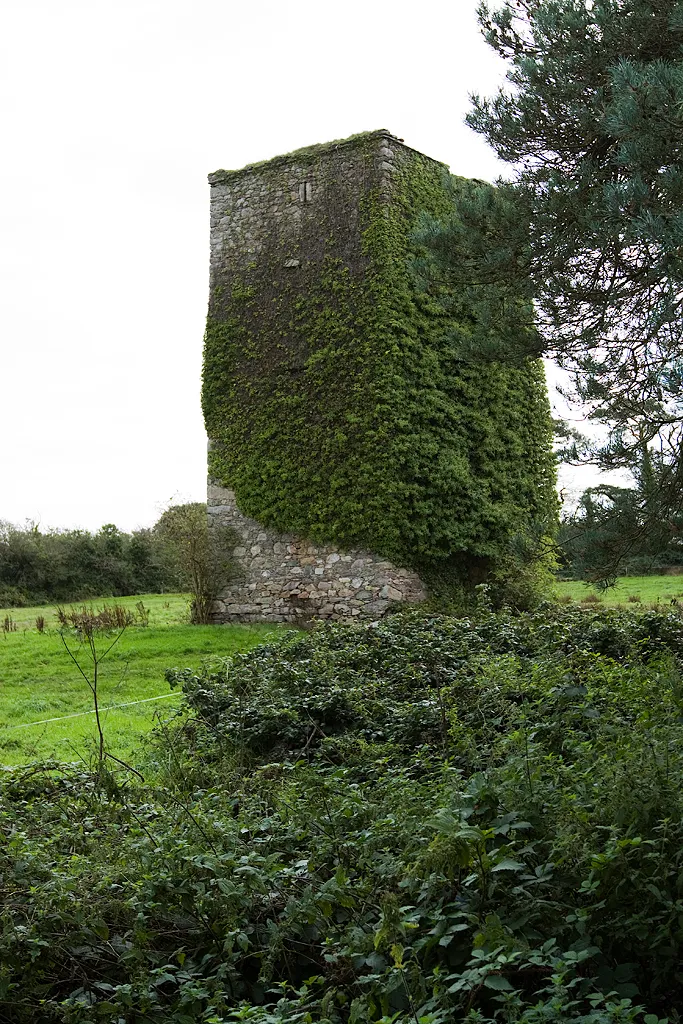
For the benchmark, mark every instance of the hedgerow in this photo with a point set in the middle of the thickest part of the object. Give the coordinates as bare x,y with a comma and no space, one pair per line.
422,820
39,566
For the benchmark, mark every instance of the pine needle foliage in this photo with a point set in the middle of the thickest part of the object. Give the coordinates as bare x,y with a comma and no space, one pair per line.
590,123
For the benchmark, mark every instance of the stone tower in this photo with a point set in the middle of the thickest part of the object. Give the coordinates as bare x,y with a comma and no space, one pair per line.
338,453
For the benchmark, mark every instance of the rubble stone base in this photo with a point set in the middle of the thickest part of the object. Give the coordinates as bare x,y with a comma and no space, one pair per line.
284,578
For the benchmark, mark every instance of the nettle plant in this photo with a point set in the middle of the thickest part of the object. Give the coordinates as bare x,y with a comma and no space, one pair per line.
89,634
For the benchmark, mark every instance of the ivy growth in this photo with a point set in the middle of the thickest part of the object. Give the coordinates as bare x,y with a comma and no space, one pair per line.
337,397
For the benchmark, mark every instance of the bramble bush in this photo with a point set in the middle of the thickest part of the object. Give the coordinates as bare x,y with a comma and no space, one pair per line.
425,820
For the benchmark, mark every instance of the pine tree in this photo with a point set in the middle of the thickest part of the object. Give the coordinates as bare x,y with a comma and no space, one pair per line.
593,126
592,218
636,529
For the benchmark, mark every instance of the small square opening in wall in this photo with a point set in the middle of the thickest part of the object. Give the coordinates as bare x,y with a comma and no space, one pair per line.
305,191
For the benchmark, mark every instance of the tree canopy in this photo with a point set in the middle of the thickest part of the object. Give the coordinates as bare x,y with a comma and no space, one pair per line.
631,530
593,123
591,218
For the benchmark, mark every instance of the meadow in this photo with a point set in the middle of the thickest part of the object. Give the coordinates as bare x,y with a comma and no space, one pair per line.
645,590
46,710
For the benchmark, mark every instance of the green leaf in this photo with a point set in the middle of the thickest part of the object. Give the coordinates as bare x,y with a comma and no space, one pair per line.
507,864
498,983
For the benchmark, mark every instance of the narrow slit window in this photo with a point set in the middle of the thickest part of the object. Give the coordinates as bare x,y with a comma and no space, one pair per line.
305,191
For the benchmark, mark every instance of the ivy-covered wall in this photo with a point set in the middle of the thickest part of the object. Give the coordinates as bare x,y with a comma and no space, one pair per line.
337,403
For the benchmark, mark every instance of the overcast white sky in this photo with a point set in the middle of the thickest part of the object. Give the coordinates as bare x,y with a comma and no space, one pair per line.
113,112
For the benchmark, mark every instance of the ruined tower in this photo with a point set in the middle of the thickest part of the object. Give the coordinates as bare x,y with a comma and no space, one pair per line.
351,453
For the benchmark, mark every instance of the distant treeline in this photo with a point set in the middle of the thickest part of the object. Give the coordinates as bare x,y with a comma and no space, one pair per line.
72,565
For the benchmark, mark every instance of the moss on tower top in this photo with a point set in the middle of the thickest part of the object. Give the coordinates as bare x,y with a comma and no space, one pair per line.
309,154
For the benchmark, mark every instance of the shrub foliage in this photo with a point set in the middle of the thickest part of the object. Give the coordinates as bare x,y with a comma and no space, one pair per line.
39,566
424,820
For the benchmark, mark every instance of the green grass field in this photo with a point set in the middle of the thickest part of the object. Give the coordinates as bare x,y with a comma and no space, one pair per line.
39,682
643,590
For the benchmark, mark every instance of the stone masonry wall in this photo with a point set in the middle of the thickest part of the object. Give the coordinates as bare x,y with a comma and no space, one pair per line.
288,579
273,228
266,219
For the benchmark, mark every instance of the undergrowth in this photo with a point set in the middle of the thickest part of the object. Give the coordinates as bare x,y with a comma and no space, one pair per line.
425,820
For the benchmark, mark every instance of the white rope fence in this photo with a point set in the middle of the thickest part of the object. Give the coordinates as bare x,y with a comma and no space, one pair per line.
79,714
